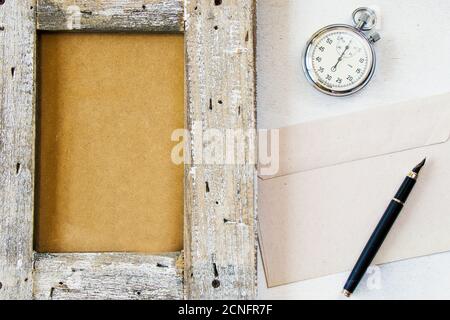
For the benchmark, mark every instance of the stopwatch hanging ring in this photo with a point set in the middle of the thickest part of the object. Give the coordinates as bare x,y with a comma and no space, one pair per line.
365,18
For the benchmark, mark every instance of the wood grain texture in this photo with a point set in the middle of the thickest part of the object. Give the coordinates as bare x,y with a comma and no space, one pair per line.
17,136
111,15
220,214
220,232
107,276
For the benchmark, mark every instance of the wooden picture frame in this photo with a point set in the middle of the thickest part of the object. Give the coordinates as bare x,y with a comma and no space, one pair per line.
219,258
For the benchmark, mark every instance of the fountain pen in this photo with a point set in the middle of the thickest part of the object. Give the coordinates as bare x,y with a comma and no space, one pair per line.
382,230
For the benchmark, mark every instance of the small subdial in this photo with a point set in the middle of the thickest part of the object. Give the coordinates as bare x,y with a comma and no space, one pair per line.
346,48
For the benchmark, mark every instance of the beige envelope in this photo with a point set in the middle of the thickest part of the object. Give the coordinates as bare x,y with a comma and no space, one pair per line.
337,177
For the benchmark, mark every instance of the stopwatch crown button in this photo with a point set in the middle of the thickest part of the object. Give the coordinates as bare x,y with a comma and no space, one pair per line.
374,37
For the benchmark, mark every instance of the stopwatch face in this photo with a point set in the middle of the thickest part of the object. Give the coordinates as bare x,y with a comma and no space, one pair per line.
339,60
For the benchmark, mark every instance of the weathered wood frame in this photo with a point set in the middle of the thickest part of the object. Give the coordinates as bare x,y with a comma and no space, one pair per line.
219,260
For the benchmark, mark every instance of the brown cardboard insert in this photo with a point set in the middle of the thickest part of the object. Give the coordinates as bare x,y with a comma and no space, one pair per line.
108,104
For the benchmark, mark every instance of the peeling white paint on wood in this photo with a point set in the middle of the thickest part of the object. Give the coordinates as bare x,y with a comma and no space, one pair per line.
111,15
17,130
107,276
220,232
220,211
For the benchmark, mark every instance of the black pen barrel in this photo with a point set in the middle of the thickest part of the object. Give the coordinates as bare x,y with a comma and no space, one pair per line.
374,244
405,190
379,235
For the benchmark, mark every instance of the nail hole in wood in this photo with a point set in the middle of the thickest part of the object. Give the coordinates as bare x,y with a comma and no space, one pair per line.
216,272
210,104
61,283
138,293
217,202
2,28
217,2
13,71
18,165
1,285
144,7
247,37
160,265
220,102
26,280
207,187
216,284
216,27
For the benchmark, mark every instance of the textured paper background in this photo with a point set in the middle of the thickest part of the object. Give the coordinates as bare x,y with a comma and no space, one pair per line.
411,49
108,106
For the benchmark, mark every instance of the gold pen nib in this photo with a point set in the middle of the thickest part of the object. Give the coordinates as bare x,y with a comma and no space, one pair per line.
347,293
